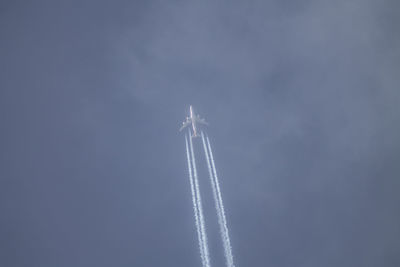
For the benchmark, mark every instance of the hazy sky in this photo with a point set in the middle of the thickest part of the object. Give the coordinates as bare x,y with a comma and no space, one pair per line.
303,102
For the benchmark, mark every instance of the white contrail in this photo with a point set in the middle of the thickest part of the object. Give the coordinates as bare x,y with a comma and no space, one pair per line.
199,206
228,247
194,200
217,204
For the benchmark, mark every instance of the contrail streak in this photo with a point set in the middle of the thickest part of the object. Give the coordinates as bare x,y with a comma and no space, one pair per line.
227,243
194,200
199,206
217,204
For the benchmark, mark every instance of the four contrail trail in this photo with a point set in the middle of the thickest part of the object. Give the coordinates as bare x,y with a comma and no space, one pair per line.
194,200
193,120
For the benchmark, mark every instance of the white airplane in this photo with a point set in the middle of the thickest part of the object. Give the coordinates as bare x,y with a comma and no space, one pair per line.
193,119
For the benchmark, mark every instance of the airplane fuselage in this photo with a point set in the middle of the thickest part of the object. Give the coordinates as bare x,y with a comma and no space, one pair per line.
193,120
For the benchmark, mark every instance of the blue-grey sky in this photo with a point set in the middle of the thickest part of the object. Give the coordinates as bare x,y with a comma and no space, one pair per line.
303,102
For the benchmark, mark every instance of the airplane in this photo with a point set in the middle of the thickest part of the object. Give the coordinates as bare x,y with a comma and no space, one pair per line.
193,120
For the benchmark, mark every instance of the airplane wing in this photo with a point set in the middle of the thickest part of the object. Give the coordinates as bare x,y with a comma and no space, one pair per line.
184,125
201,121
